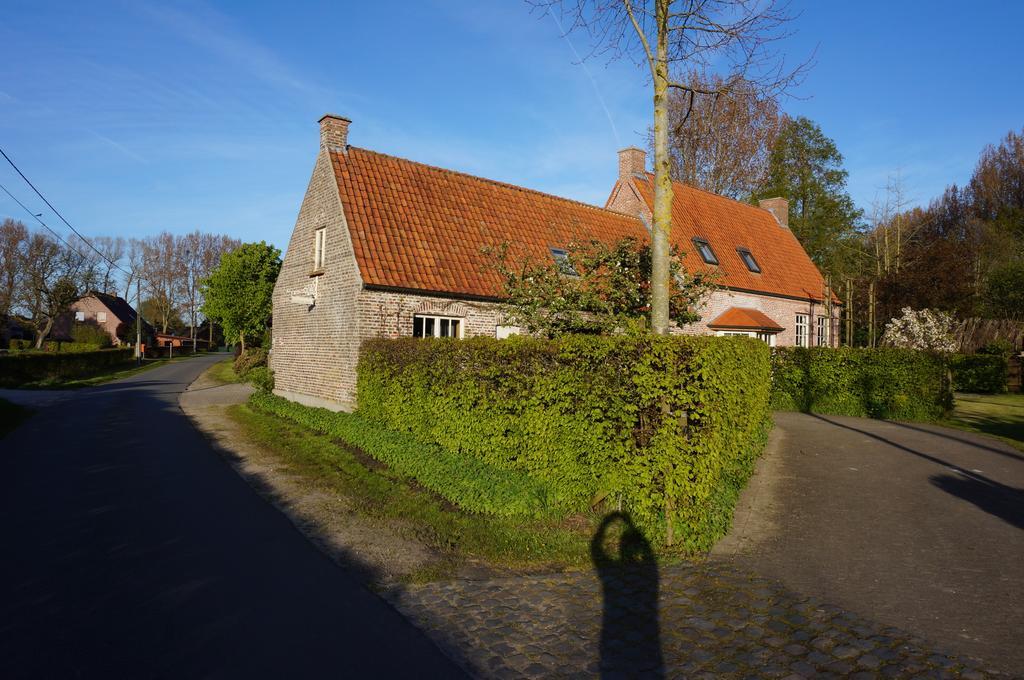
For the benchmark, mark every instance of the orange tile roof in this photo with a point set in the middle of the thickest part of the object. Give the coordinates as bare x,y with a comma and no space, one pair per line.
727,224
419,227
744,317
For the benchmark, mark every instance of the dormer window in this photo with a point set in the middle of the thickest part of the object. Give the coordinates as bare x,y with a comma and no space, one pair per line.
320,249
748,259
705,251
562,261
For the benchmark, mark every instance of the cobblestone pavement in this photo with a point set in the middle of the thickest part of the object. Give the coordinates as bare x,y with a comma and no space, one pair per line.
692,620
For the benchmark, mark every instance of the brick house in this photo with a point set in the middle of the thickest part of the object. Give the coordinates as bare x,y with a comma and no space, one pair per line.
387,247
110,312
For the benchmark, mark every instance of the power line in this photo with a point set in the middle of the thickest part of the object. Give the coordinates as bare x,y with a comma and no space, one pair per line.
40,221
57,213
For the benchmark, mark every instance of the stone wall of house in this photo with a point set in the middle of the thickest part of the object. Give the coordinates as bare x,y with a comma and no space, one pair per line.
315,348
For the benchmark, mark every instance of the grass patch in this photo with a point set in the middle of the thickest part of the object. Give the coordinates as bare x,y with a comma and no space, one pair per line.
11,415
998,415
380,491
224,372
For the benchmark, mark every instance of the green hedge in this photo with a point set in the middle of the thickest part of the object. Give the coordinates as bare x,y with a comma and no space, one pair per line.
472,484
898,384
668,426
979,373
32,367
54,346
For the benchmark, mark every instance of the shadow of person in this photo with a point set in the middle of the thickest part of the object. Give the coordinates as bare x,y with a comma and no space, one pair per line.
630,636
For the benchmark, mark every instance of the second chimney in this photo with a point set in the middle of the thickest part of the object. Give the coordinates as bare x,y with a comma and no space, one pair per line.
334,132
632,161
778,207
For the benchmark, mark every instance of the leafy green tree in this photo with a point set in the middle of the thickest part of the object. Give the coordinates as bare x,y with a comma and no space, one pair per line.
237,294
806,167
1004,292
595,288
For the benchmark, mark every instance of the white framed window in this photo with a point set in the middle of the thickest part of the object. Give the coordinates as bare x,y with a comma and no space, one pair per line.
763,336
320,249
425,326
79,316
101,317
823,331
801,330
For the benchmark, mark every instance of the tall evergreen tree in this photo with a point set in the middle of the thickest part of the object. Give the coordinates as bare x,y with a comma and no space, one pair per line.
806,167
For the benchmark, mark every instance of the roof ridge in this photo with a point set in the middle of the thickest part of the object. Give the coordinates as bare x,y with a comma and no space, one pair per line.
487,180
710,193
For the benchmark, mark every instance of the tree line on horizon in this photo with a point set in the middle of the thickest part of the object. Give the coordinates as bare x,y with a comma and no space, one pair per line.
40,276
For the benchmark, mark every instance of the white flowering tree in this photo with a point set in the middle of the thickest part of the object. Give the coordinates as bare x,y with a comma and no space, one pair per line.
924,329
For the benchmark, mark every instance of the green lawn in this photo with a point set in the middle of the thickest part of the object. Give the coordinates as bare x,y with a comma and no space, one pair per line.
999,415
378,491
11,415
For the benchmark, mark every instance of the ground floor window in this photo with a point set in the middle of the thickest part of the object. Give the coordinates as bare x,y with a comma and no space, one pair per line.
436,327
801,330
763,336
822,331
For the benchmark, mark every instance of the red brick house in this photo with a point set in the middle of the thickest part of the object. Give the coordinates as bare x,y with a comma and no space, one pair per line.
387,247
110,312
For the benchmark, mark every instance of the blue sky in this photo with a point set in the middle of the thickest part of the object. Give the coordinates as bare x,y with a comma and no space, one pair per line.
136,117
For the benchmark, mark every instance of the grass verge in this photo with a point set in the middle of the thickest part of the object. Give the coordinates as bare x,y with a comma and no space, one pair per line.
11,415
998,415
224,372
380,491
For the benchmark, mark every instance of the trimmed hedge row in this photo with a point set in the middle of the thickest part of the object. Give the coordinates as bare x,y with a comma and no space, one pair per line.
471,484
668,426
898,384
54,346
979,373
29,367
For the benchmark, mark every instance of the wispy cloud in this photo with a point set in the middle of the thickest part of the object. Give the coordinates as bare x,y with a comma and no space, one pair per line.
118,146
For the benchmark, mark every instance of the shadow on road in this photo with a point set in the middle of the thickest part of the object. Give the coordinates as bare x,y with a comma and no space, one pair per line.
630,635
1004,502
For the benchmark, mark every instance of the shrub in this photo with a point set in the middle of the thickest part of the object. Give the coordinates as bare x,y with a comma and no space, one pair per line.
899,384
90,334
999,347
925,329
668,426
979,373
53,346
32,367
262,378
251,358
474,485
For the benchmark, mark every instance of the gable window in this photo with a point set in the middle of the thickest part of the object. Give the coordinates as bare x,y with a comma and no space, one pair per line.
748,259
320,249
79,316
562,261
801,330
823,331
705,251
424,326
101,317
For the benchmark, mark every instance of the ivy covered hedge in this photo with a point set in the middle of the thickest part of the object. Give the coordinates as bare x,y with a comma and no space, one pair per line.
899,384
979,373
20,368
667,426
473,484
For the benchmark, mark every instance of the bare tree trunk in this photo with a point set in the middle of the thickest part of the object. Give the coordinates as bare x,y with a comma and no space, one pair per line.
662,181
241,342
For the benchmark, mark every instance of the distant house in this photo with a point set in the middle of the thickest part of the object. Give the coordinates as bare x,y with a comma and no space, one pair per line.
110,312
387,247
172,340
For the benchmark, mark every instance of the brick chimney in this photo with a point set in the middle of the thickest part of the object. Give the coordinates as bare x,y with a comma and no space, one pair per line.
632,161
778,207
334,132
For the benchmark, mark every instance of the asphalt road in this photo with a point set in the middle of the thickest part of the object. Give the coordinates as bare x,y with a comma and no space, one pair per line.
917,526
132,549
